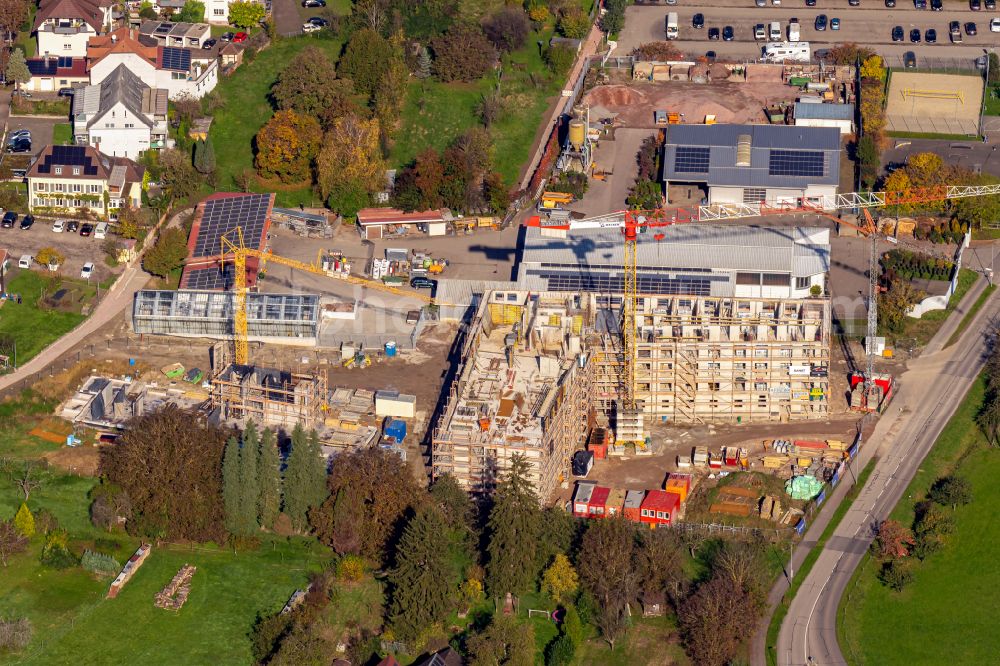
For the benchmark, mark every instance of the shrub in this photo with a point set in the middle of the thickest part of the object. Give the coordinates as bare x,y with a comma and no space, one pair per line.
15,634
559,59
560,652
24,521
896,574
55,552
351,568
100,563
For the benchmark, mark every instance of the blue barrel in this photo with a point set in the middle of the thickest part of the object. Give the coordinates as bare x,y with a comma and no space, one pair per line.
390,349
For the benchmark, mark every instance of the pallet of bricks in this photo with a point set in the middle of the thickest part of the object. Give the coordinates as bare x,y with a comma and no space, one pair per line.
173,596
790,457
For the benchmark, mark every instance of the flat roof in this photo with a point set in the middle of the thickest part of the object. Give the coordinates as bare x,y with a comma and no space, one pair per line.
824,111
801,251
378,216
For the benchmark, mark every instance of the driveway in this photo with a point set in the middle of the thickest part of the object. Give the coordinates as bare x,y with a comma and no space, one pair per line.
287,21
973,155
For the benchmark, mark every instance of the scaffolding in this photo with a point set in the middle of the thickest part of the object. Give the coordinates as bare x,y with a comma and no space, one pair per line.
269,397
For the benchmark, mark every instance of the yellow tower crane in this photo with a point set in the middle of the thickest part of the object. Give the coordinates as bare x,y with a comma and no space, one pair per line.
240,252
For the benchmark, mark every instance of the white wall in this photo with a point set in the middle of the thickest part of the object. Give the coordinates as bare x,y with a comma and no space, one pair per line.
197,89
845,126
110,135
217,11
64,45
136,64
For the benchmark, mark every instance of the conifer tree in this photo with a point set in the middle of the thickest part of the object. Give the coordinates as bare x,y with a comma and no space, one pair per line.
305,477
424,64
249,485
231,485
513,528
316,486
24,521
269,478
204,157
424,580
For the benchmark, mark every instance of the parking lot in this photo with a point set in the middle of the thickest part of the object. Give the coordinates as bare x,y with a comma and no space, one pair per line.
869,24
40,128
76,248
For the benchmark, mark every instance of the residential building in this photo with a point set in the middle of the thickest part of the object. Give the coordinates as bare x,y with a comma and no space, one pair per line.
121,116
69,179
840,116
63,27
50,73
180,71
180,35
749,164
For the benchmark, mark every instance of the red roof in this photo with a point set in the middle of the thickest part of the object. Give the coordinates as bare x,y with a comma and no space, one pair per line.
380,216
389,661
661,500
600,496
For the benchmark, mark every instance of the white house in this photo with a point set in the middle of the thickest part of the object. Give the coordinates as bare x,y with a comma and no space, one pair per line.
179,71
51,73
63,27
121,116
72,178
840,116
168,33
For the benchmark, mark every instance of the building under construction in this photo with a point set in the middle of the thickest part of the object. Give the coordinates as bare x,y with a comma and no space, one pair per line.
269,397
541,368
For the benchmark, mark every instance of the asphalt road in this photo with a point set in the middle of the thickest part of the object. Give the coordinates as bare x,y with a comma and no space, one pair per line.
870,24
972,155
930,392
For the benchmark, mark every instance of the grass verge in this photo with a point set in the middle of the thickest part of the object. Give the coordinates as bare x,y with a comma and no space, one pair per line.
946,615
971,314
39,320
782,608
933,135
923,329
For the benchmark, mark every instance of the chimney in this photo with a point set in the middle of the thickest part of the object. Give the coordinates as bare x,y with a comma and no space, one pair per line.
114,38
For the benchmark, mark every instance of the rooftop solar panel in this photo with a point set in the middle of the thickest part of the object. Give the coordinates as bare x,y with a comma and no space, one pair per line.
796,163
221,216
68,156
209,278
174,58
691,159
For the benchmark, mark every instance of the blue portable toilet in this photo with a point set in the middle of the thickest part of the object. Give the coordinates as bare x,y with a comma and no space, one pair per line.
390,349
396,428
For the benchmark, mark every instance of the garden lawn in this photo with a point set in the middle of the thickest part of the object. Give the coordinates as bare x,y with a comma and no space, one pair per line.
435,113
62,134
948,613
248,106
32,325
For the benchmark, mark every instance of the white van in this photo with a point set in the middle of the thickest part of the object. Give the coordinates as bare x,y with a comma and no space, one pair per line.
672,25
787,52
101,230
793,31
774,32
25,261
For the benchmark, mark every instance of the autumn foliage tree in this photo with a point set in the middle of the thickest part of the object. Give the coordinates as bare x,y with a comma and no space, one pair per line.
657,51
167,254
892,540
463,54
169,462
350,168
287,146
307,85
507,28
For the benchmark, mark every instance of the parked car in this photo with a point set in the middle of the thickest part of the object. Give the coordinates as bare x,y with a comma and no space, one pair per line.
86,229
776,3
909,60
760,3
937,5
930,36
810,3
20,132
835,23
821,22
66,92
713,33
990,4
970,29
854,3
309,27
727,33
209,43
25,261
897,33
314,3
890,3
227,36
759,33
975,5
72,226
710,56
920,4
27,221
9,219
423,283
318,20
240,37
698,21
995,24
87,270
915,35
58,226
19,145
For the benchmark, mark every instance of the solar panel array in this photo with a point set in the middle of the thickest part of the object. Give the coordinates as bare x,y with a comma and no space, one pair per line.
221,216
64,61
796,163
68,156
691,159
209,278
174,58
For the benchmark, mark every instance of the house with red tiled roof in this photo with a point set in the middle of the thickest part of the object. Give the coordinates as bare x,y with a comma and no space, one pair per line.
69,179
51,73
63,27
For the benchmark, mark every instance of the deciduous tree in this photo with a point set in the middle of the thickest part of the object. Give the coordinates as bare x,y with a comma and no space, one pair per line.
429,174
385,490
560,580
892,540
17,69
167,254
366,60
12,541
608,572
613,19
953,490
287,146
504,642
13,14
306,84
661,562
507,29
177,175
169,462
350,167
513,532
661,51
849,53
894,304
193,11
246,14
424,582
559,59
873,68
714,621
25,475
463,54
